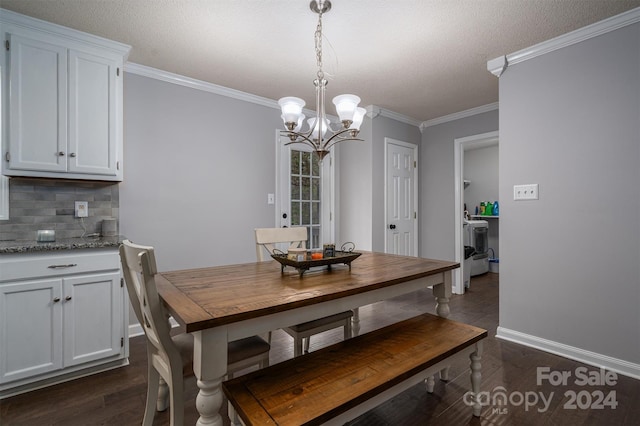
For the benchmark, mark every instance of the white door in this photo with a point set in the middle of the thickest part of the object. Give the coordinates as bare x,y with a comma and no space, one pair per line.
401,198
305,192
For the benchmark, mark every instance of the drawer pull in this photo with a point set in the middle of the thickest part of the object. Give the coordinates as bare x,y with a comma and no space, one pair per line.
70,265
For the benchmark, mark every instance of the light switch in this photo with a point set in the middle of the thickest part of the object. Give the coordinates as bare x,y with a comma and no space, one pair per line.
525,192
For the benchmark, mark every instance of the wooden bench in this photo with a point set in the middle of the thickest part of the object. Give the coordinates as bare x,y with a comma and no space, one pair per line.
338,383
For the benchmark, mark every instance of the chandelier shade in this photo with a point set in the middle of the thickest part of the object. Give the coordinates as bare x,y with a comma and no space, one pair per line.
319,135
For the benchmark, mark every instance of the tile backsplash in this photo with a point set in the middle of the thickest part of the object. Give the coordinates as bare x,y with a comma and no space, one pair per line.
49,204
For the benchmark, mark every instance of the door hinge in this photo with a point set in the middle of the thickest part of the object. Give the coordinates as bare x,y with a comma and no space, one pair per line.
121,282
7,44
122,342
415,215
117,165
118,71
415,164
7,156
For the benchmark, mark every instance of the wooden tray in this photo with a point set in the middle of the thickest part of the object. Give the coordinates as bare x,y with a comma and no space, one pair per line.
344,257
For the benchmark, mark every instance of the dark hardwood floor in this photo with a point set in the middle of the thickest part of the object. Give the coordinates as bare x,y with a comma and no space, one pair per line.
117,397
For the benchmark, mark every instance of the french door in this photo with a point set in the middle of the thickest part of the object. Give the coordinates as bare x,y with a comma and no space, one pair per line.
305,192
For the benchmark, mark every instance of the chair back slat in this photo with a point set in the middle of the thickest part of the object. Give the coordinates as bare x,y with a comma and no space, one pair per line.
139,270
267,238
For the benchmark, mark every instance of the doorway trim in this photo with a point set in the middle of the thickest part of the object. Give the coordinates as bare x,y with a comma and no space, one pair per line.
460,145
414,147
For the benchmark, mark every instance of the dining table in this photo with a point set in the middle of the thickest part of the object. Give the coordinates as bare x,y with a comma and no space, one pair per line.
220,304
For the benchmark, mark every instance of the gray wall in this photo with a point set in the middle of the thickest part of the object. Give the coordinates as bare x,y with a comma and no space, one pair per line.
198,167
362,171
481,168
569,267
437,239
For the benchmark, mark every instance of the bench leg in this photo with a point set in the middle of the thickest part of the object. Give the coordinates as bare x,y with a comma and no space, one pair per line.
476,375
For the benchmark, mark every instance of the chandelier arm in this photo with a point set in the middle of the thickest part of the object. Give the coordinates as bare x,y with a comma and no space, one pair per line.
337,137
304,139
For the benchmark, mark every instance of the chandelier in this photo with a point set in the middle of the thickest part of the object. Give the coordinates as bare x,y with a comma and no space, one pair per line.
320,136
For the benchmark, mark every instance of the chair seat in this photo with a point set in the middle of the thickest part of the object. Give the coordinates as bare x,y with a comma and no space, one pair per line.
320,322
238,350
246,348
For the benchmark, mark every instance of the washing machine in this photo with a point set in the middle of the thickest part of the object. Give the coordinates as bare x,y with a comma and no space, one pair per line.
476,235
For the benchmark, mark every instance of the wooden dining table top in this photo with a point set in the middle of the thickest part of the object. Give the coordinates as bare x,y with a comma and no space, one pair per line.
210,297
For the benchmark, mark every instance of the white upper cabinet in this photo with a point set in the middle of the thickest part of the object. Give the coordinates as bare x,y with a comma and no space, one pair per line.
62,98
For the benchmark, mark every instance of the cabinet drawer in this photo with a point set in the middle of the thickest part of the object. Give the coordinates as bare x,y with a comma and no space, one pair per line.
35,265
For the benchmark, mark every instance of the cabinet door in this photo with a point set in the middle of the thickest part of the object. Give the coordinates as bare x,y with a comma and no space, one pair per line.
93,320
92,114
37,105
30,328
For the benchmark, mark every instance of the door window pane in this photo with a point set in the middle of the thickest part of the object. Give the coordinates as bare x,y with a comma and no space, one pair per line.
306,195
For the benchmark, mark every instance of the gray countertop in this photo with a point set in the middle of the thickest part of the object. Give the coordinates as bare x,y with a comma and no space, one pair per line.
29,246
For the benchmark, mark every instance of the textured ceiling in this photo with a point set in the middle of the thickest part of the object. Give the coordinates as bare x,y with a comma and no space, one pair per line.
420,58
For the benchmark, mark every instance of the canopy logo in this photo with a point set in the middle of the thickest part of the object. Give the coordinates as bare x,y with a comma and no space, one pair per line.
587,399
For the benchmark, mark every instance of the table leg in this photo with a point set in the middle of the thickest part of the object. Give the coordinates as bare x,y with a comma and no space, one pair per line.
442,293
210,367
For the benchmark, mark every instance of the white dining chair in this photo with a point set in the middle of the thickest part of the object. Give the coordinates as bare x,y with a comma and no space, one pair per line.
170,358
296,237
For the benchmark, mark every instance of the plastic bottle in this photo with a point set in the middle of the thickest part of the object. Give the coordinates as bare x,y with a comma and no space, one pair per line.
482,207
496,209
488,210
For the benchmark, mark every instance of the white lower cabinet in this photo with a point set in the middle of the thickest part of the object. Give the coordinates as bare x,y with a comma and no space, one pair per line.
68,324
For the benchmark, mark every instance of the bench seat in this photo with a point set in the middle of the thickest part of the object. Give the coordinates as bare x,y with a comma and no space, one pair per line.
338,383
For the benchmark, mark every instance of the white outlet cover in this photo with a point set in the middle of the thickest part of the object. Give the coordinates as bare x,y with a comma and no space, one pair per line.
82,209
525,192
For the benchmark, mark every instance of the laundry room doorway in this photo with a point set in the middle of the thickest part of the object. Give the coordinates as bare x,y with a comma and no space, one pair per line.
462,145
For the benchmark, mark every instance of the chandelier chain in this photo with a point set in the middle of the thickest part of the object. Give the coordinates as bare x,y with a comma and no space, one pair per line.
318,43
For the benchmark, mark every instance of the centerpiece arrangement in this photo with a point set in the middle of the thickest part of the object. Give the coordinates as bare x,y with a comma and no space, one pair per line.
302,260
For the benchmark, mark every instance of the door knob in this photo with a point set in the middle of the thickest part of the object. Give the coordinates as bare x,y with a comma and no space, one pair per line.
392,226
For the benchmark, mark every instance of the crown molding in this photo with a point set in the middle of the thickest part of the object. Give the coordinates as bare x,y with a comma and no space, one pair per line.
145,71
459,115
192,83
498,65
48,29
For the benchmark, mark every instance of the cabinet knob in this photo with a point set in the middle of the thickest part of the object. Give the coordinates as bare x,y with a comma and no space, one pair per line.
67,298
61,154
56,300
73,154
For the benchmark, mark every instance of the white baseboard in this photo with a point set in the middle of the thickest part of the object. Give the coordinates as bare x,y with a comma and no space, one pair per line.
620,366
